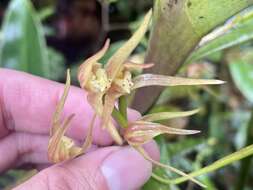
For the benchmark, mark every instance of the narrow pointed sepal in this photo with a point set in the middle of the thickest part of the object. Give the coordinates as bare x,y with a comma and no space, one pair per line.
88,140
140,132
115,63
60,105
163,80
85,69
167,115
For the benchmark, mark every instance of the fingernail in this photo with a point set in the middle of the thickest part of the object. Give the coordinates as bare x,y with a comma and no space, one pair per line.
126,169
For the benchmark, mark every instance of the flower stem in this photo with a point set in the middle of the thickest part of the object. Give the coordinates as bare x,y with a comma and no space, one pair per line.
119,118
243,153
123,106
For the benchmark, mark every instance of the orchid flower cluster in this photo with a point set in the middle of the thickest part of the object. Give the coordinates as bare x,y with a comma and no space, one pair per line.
105,86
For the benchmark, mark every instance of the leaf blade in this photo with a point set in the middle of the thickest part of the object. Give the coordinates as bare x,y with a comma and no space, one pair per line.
23,44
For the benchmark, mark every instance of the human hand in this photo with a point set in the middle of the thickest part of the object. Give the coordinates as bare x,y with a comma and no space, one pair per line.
27,104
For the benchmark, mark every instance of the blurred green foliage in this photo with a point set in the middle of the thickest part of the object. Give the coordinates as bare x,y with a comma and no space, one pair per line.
237,31
241,67
23,43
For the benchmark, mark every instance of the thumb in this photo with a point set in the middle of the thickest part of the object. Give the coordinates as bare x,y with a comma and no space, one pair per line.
111,168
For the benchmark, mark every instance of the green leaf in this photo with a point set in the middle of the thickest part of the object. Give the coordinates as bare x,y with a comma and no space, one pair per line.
164,158
204,15
56,65
185,146
178,26
46,12
245,164
112,49
23,44
239,33
241,69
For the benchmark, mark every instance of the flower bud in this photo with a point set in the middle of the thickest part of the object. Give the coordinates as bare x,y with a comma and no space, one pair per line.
140,132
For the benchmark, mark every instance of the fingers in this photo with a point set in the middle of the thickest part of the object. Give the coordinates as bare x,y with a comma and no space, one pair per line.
111,168
21,148
27,104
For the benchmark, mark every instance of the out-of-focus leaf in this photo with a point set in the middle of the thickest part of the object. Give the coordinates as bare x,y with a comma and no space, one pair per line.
46,12
56,65
112,1
23,44
241,69
154,184
217,119
236,156
113,48
215,57
184,146
173,93
239,121
13,178
164,158
245,164
240,32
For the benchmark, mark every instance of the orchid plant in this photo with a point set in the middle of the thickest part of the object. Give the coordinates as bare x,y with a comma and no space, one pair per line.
108,85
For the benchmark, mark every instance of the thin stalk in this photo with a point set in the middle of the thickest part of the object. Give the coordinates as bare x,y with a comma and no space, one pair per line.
123,106
119,118
160,179
245,163
243,153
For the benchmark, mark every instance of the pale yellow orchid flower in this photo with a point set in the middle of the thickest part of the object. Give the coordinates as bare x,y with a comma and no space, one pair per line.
143,130
61,147
106,85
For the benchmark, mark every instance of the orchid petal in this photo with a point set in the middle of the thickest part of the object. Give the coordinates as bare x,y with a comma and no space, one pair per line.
163,80
164,128
85,69
177,171
88,140
167,115
54,146
115,63
96,101
131,66
60,105
109,103
114,133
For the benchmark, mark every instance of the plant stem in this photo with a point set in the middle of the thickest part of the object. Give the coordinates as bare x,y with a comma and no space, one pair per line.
119,118
123,106
178,26
245,163
247,151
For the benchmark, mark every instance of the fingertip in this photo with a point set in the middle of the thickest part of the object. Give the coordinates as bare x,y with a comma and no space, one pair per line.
126,169
133,114
152,149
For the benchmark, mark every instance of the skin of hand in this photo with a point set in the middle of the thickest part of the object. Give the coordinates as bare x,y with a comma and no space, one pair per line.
27,104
